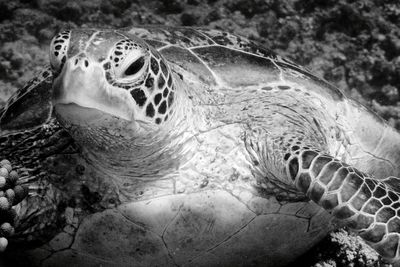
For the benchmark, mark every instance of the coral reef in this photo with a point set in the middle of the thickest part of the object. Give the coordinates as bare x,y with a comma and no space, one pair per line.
11,193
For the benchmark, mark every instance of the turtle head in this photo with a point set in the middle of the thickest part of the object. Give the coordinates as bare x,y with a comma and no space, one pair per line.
108,81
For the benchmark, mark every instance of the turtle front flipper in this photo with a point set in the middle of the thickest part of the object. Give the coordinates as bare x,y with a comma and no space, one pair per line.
30,106
369,206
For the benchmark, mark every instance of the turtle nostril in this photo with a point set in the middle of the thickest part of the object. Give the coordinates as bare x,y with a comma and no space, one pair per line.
86,63
76,62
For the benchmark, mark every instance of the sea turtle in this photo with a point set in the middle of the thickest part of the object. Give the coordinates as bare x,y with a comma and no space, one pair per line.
163,146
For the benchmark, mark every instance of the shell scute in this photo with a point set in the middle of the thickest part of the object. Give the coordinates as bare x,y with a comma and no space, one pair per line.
184,37
228,63
237,42
100,236
189,61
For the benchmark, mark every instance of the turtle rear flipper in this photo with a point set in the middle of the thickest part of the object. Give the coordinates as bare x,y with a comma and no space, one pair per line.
30,106
366,205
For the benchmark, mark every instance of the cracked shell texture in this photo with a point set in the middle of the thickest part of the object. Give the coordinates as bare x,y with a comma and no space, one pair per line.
198,229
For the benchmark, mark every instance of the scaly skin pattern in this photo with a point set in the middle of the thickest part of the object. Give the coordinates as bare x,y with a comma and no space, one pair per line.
359,200
367,205
36,94
193,144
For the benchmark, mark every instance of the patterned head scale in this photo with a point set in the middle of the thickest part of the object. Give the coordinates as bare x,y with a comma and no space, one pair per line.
58,51
153,89
131,71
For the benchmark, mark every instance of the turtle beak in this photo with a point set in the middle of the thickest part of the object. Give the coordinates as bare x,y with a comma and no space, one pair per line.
82,82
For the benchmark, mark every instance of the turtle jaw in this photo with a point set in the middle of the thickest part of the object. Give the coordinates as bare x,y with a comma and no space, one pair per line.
82,83
79,115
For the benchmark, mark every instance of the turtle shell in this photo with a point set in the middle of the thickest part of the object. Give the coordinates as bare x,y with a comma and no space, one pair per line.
218,57
223,61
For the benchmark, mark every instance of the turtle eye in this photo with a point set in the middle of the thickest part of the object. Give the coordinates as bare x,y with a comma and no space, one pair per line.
135,67
129,60
58,51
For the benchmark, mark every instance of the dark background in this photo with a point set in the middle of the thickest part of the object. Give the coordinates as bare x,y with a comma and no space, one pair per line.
353,44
